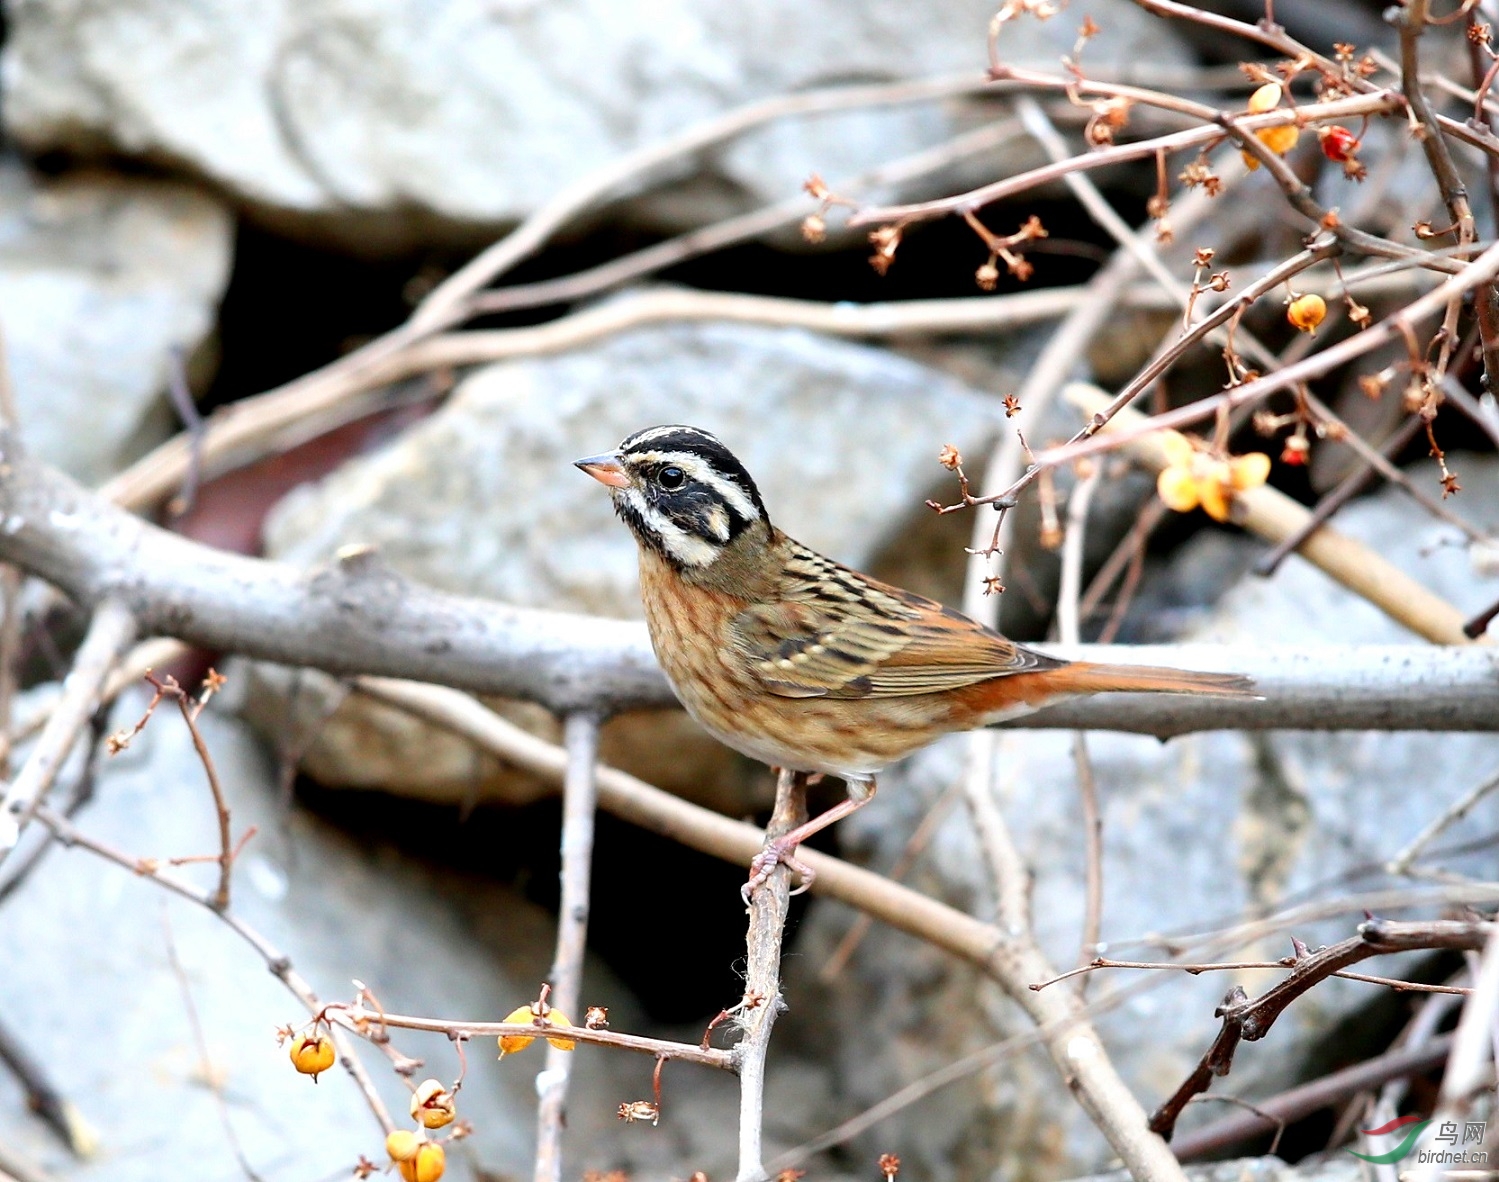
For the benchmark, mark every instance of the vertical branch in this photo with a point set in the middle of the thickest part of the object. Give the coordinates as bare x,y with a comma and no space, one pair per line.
762,978
1069,630
579,802
110,632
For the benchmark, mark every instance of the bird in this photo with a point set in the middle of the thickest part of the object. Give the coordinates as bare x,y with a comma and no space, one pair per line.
803,663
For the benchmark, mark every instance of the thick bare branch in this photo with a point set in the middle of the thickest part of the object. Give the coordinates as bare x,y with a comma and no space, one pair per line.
358,616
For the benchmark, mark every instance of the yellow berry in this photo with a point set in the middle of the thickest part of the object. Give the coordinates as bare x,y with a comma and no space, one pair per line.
428,1164
402,1145
511,1043
312,1054
1266,98
559,1019
1178,448
1178,488
1248,471
1213,491
432,1105
1306,312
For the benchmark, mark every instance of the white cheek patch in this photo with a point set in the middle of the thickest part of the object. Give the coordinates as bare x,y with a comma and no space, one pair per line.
685,548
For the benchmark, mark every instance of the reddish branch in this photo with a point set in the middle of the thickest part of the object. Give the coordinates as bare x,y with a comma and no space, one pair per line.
1249,1019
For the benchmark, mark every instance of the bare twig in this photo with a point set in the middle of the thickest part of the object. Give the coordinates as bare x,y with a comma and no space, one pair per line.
579,802
43,1096
279,964
1274,516
1453,813
110,633
1248,1019
762,978
1298,1102
211,1078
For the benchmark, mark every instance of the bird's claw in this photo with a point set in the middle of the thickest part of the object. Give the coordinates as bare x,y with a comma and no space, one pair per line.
776,854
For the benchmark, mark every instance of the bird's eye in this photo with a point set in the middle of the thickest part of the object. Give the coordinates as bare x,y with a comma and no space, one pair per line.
671,477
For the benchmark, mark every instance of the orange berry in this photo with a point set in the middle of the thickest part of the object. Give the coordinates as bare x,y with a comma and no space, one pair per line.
428,1164
312,1054
1178,489
1279,140
402,1145
1306,312
560,1019
511,1043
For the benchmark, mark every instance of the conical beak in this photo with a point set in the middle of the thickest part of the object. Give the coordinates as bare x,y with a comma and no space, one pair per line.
606,469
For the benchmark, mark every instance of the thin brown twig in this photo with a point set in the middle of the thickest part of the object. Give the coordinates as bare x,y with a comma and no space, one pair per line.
1348,488
1246,1019
1301,1101
279,964
211,1077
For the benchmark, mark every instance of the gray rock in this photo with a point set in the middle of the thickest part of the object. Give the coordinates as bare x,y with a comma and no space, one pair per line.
1196,832
482,499
88,984
377,117
100,278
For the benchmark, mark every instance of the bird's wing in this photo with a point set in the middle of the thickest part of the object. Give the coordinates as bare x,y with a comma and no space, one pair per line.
836,633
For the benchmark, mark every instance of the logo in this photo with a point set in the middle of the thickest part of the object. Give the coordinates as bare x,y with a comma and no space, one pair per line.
1473,1134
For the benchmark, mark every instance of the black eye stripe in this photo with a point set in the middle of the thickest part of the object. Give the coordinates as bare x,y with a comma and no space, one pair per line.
699,444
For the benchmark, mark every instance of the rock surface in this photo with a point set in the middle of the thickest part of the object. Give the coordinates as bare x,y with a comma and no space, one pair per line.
90,987
1196,833
482,499
100,278
475,111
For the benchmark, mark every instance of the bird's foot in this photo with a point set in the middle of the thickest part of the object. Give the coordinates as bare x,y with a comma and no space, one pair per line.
776,853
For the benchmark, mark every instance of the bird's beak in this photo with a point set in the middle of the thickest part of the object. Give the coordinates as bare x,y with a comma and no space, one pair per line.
606,469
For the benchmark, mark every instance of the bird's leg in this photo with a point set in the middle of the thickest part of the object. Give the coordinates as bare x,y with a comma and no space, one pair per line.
780,852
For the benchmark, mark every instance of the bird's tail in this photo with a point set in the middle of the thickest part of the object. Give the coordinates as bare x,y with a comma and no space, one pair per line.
1085,677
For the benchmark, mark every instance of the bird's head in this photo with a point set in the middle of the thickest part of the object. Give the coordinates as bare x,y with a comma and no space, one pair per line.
682,493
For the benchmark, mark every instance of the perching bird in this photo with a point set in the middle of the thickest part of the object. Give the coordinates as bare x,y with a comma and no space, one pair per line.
798,661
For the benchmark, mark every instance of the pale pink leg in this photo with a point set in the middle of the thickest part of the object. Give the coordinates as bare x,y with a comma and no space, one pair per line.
780,851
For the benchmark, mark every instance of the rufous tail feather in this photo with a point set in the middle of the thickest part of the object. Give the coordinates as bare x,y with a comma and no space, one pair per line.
1084,677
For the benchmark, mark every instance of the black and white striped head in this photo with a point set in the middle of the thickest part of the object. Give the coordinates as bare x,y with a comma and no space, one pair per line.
681,491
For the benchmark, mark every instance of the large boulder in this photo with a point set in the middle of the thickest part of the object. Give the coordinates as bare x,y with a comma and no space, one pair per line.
401,118
101,278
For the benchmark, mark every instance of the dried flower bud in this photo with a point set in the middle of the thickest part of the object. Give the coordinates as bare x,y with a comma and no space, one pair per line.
816,187
987,276
889,1165
950,458
814,228
1202,257
597,1017
1306,312
432,1105
312,1054
639,1110
1011,405
1265,422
